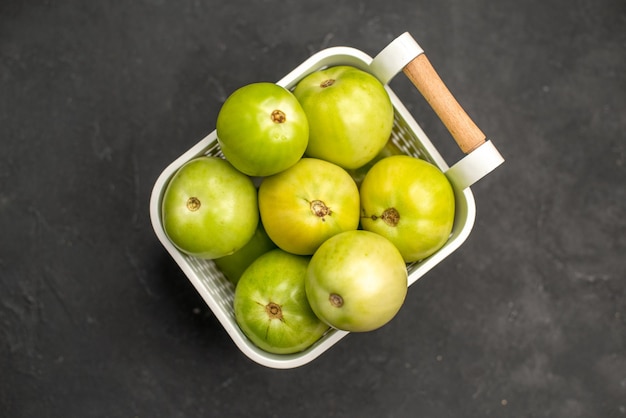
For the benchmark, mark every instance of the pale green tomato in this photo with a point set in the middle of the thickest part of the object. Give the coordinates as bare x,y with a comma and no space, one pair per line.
350,115
235,264
209,209
356,281
271,307
308,203
262,129
410,202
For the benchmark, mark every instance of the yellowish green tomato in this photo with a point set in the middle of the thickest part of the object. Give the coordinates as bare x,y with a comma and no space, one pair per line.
209,209
262,129
410,202
271,307
308,203
356,281
350,115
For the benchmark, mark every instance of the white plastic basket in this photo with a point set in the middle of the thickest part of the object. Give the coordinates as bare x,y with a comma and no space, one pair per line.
402,54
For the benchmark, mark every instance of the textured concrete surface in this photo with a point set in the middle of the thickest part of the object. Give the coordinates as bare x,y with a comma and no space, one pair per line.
526,319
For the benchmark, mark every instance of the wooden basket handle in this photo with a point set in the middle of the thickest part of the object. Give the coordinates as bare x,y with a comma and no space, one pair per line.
404,54
462,128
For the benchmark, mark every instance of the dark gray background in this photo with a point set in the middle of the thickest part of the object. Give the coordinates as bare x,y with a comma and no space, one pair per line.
526,319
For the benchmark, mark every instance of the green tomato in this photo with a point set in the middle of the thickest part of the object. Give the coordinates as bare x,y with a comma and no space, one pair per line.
410,202
308,203
262,129
350,115
356,281
209,209
235,264
271,307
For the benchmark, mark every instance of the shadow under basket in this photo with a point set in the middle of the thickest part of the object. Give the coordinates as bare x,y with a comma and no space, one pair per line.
401,55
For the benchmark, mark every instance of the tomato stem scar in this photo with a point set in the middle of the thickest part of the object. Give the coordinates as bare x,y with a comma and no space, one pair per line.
278,116
319,208
193,204
336,300
274,311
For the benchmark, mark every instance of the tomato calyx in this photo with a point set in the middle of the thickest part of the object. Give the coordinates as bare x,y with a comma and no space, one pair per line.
335,300
278,116
319,209
274,311
193,204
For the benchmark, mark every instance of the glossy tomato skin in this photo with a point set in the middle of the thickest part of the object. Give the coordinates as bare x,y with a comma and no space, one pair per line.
308,203
271,307
356,281
410,202
350,115
209,209
235,264
262,129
